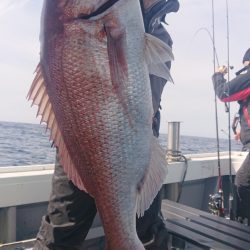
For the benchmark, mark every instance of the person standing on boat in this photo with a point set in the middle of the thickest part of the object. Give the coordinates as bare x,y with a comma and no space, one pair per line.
238,89
70,211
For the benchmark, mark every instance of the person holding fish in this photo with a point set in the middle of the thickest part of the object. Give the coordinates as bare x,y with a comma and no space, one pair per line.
238,89
98,87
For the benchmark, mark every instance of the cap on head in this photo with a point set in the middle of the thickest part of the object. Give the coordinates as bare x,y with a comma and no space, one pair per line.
246,56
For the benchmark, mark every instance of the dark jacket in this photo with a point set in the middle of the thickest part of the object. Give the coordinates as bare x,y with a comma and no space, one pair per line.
153,18
238,89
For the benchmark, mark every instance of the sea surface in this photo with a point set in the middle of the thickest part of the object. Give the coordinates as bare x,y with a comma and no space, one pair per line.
25,144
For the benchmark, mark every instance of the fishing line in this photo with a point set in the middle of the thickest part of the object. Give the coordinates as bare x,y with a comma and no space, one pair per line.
215,101
216,201
231,215
211,38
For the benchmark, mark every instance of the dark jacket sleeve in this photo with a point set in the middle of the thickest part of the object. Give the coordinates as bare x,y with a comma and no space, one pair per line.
235,90
156,14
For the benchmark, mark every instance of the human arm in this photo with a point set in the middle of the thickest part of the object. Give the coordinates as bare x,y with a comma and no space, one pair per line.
235,90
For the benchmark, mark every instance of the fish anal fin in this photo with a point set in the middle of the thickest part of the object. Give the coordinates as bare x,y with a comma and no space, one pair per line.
153,179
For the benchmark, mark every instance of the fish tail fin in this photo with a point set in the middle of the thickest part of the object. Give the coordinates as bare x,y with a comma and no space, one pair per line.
157,53
153,179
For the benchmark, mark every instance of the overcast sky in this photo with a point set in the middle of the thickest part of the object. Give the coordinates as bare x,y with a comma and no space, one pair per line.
190,100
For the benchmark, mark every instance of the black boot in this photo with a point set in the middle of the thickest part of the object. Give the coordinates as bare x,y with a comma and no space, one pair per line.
160,238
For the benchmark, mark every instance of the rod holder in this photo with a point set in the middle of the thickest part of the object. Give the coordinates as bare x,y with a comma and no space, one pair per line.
173,147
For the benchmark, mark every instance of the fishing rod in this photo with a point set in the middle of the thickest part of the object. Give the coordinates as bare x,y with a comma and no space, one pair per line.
216,201
211,38
242,70
231,199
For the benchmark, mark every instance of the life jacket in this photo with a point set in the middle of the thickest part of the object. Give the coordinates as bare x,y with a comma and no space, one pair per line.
244,113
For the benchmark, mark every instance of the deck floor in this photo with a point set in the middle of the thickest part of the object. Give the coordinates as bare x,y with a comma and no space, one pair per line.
96,244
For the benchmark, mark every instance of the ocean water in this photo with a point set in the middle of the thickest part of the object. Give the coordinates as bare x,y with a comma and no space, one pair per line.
25,144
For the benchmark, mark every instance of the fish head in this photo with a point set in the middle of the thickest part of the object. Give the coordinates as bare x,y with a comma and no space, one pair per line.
73,9
57,12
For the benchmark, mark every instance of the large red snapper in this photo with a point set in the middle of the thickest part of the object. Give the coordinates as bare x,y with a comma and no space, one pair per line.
93,91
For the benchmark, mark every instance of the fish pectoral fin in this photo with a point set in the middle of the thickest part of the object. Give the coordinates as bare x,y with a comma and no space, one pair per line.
153,179
157,53
39,96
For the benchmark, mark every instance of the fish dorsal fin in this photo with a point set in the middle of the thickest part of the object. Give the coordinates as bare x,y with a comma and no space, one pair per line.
157,54
153,179
39,96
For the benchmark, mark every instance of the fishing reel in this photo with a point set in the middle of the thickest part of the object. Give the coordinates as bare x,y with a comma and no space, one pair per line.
216,204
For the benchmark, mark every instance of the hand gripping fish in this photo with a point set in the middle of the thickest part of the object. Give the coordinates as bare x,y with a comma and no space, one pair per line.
93,91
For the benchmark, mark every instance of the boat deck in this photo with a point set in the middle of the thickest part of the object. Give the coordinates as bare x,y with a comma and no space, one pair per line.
203,229
189,228
28,189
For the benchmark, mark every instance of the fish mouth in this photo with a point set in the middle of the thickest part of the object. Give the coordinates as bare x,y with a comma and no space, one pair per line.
99,11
